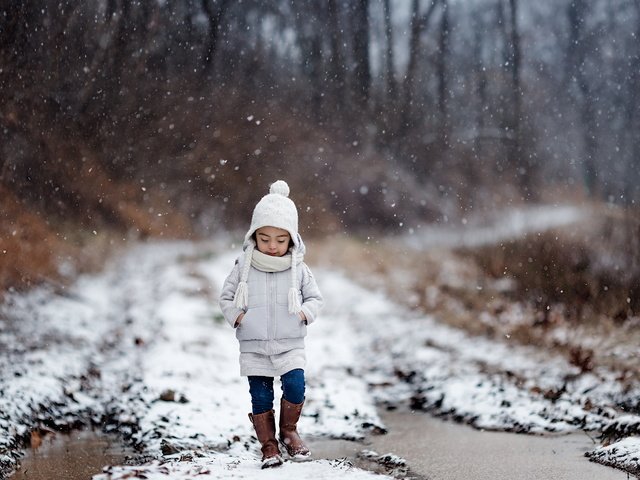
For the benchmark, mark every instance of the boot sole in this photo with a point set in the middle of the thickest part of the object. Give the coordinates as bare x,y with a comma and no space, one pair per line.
295,458
272,462
300,458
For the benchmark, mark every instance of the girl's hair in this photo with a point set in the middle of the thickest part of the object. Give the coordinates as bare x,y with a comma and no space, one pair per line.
254,236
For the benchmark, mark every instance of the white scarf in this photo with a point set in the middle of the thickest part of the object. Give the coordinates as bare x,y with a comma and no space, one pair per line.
266,263
269,263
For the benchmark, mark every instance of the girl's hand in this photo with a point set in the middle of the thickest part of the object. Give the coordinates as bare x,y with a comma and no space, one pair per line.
303,317
238,320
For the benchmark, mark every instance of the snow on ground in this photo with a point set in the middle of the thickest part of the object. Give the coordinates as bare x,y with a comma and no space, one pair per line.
624,454
191,404
143,350
53,345
430,366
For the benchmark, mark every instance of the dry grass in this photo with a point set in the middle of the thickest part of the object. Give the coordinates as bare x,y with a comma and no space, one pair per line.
593,269
35,251
499,293
26,245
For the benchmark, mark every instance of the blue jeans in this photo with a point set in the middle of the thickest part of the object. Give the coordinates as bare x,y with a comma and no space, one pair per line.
261,390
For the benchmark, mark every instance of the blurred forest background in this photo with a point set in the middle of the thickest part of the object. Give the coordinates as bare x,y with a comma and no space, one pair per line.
129,119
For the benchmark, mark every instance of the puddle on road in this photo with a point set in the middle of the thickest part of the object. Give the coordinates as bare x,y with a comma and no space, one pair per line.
450,451
440,450
75,456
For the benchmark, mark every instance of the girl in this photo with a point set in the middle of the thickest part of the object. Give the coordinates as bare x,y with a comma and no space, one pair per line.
270,297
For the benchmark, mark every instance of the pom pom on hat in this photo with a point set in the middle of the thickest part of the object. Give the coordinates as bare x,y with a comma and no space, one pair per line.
280,187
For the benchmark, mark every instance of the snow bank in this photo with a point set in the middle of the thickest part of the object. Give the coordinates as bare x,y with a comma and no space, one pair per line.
53,347
624,454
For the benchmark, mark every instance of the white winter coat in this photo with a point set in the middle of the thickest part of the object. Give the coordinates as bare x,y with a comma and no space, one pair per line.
267,327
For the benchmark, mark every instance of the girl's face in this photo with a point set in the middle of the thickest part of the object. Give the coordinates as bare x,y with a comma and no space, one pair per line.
272,241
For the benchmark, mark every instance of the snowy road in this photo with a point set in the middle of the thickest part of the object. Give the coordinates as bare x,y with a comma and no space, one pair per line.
143,350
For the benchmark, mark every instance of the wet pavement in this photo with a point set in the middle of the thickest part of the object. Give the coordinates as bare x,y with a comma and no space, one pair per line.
441,450
75,456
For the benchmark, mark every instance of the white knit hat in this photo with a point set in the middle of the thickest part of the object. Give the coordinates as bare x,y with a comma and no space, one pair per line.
275,209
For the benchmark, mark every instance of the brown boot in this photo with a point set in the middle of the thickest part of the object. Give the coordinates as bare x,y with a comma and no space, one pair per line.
265,426
289,415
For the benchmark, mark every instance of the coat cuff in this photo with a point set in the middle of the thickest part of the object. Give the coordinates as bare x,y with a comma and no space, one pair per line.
307,314
233,316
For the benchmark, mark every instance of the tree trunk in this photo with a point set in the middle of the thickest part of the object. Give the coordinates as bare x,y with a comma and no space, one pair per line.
362,70
336,60
632,174
443,88
315,72
481,88
392,90
418,25
577,53
214,15
109,63
517,156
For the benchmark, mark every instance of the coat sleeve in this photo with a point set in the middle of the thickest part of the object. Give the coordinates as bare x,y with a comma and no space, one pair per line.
312,300
229,310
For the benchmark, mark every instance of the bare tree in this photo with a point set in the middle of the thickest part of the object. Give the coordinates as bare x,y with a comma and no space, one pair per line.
578,49
443,88
480,91
337,67
316,73
215,10
419,24
392,88
113,75
362,69
632,105
309,17
511,99
517,155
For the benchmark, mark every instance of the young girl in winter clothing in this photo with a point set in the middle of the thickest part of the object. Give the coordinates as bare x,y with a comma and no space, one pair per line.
270,297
